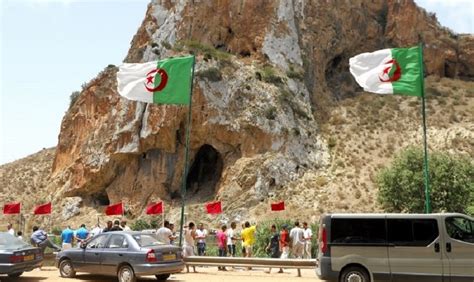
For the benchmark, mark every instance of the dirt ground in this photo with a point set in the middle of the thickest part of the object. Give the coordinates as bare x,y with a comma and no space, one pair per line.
207,274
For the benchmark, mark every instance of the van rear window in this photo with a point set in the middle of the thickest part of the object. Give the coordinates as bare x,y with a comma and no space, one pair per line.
412,232
358,231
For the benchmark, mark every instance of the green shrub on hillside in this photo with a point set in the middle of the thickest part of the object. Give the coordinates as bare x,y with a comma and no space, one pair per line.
401,186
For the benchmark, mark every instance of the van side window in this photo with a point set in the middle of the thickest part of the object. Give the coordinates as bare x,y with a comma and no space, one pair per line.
358,231
460,228
412,232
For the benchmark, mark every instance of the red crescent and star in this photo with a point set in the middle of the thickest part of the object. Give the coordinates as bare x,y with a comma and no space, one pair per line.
150,79
385,75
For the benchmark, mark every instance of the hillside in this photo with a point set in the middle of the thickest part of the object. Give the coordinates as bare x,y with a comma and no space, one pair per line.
276,114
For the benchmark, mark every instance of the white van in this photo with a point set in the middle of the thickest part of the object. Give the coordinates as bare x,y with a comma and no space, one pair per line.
396,247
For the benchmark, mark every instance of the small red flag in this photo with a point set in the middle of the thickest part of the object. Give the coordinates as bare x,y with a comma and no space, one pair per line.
214,207
155,208
43,209
12,208
280,206
116,209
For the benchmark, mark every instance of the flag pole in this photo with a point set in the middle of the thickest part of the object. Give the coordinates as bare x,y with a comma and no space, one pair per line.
425,146
186,157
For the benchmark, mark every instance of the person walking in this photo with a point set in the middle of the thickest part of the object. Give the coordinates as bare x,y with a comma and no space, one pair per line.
308,235
201,235
222,244
273,246
66,237
284,242
81,235
188,245
297,240
40,239
248,236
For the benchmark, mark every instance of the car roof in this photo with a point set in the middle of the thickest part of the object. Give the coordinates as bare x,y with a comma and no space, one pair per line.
393,215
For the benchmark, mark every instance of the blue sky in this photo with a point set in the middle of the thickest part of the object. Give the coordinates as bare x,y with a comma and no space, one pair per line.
49,48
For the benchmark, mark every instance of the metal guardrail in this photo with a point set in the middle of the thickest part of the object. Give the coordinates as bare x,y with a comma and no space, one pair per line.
251,262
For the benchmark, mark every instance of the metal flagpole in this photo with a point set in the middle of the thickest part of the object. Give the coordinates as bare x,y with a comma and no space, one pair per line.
186,157
425,158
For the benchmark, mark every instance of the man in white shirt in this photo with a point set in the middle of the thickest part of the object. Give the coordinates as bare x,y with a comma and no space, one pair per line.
308,235
297,239
188,246
10,229
164,233
201,235
124,225
231,239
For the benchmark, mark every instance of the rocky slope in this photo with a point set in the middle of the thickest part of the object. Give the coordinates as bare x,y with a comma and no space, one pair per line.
276,114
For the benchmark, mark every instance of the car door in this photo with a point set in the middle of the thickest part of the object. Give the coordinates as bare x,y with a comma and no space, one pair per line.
414,250
114,253
459,248
92,254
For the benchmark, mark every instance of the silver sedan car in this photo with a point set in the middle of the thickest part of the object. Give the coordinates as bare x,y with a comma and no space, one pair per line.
127,255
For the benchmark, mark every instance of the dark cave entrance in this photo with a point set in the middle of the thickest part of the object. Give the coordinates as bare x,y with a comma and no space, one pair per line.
101,199
204,173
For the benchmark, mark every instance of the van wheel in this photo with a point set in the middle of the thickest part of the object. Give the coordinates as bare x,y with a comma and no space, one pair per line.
354,274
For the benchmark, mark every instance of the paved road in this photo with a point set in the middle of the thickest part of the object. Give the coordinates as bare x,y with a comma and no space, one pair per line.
207,274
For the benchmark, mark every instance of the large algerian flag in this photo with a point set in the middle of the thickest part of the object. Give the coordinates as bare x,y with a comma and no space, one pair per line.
162,82
390,71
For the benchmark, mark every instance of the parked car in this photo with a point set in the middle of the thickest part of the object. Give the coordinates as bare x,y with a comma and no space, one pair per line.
396,247
126,255
17,256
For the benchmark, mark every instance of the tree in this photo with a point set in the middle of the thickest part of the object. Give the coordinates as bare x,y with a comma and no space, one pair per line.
401,186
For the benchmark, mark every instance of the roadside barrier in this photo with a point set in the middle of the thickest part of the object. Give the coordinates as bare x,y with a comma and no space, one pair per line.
251,262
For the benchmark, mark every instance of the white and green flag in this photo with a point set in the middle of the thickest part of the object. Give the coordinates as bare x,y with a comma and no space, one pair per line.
390,71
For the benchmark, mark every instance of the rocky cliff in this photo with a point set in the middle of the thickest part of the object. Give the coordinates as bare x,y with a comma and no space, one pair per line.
272,90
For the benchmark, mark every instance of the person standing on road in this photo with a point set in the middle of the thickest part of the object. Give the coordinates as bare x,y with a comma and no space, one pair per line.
284,242
308,235
201,235
108,227
231,239
81,235
273,246
124,226
222,244
164,233
10,229
297,240
66,237
96,230
248,236
188,245
116,226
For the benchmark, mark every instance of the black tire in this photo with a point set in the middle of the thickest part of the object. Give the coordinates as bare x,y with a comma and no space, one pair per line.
66,269
15,275
354,274
162,277
126,274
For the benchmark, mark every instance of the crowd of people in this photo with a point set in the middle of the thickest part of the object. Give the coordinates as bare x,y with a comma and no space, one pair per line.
284,243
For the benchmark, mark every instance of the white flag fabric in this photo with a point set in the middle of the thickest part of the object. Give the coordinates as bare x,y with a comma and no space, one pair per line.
131,79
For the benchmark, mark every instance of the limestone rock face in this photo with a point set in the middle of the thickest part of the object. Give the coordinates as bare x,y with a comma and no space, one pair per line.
253,128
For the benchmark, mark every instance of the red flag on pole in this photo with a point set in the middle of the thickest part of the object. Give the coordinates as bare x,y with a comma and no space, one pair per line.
280,206
43,209
214,207
155,208
12,208
116,209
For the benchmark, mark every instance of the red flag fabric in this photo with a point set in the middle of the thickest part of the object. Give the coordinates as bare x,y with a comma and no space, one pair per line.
43,209
116,209
12,208
280,206
214,207
155,208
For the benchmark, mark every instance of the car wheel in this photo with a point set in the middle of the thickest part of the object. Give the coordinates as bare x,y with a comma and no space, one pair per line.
14,275
66,269
354,274
126,274
162,277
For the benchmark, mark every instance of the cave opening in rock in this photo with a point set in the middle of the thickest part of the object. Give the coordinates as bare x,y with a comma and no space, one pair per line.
101,199
204,173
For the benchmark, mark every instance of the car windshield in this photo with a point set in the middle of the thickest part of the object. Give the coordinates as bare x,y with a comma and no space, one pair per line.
10,242
146,240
